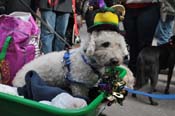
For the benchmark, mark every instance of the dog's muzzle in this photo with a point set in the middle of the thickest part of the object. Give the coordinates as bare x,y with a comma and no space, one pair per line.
113,62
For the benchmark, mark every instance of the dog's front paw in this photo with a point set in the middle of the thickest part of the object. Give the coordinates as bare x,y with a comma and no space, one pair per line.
134,95
153,102
166,92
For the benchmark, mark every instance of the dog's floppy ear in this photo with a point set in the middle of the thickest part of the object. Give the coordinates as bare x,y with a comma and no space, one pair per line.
124,46
91,45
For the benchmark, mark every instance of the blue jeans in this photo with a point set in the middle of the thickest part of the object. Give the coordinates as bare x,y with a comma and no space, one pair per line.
164,30
58,21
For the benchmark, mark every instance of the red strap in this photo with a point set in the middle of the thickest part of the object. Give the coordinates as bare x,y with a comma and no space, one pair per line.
51,3
138,5
76,32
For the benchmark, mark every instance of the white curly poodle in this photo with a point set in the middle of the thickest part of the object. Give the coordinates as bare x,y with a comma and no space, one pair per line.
102,48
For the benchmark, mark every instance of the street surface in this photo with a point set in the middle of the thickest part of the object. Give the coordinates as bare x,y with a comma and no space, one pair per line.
140,106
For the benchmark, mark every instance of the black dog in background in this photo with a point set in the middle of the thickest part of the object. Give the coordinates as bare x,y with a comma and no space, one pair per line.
149,63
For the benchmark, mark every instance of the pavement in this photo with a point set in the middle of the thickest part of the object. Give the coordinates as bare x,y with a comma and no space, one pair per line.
140,106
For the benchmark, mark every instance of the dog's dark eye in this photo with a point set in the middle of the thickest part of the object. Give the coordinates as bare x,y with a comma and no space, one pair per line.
105,44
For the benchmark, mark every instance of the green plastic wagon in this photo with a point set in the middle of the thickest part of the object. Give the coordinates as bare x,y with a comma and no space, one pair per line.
17,106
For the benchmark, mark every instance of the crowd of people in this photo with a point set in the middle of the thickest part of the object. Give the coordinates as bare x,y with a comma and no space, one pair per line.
144,20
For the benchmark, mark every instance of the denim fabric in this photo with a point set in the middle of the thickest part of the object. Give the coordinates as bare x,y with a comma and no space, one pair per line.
58,21
61,27
140,25
164,30
36,89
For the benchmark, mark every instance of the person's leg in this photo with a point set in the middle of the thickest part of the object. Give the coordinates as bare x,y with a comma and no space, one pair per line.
131,36
47,36
61,27
146,24
164,30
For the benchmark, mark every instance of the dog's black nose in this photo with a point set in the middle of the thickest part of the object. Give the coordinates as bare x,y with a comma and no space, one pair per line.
114,61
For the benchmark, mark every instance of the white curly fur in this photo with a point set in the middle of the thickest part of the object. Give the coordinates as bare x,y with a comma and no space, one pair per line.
50,66
129,77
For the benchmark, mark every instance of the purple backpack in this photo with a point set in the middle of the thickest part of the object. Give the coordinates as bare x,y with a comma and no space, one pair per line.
17,33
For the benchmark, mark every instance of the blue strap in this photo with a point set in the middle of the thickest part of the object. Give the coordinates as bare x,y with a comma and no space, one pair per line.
87,61
156,96
68,75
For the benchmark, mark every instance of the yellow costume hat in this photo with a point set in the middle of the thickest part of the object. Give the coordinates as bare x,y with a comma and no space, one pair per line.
105,19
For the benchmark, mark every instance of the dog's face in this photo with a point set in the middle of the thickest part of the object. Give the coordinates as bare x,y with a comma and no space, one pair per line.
107,48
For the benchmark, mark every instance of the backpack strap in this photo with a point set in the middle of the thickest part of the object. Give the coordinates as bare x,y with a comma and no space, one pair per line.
4,48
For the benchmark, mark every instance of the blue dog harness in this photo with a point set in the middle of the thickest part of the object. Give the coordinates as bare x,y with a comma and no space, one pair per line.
68,76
